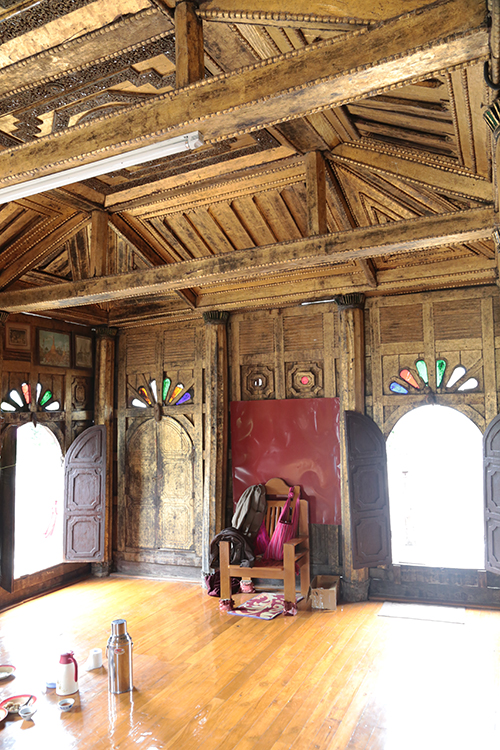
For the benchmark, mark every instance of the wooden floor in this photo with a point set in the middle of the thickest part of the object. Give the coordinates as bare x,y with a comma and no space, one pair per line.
203,679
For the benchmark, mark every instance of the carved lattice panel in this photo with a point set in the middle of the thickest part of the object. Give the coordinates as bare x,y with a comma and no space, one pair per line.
257,382
304,379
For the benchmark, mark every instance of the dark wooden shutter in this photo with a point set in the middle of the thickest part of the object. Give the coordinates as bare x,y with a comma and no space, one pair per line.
368,491
491,462
85,496
8,507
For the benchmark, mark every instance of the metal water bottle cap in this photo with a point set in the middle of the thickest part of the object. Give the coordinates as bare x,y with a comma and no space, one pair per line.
119,627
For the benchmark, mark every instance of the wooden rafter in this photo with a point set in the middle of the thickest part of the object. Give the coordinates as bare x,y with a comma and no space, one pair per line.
275,90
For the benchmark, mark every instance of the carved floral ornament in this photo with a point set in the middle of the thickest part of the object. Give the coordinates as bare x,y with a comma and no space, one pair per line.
417,381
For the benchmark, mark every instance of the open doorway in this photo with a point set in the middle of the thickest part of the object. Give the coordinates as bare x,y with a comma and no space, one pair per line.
39,492
435,474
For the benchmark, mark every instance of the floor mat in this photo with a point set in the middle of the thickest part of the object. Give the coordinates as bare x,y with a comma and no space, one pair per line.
263,606
432,612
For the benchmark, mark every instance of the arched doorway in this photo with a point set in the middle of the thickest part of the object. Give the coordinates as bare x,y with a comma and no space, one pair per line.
39,492
435,474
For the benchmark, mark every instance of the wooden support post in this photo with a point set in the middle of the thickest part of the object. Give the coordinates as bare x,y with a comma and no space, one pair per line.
189,52
216,429
316,193
103,414
99,242
352,398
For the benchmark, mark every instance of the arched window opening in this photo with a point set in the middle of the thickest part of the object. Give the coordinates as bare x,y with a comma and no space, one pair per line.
435,474
39,493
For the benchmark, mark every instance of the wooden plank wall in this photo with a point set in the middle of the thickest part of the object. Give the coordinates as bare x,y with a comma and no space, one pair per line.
463,328
269,353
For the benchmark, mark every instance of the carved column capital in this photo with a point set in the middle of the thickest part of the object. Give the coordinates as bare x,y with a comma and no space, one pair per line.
3,316
106,332
350,301
219,317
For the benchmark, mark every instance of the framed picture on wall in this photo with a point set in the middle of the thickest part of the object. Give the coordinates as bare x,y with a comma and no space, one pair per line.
54,348
18,337
83,351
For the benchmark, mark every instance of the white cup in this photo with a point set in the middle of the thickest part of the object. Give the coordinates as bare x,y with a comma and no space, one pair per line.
94,660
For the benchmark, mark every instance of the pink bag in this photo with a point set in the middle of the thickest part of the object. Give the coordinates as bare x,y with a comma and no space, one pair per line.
285,530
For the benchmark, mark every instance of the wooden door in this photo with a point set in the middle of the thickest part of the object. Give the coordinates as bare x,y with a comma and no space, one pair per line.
491,460
85,496
8,507
368,491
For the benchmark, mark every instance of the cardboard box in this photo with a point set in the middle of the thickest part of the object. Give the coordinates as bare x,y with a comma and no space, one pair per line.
324,592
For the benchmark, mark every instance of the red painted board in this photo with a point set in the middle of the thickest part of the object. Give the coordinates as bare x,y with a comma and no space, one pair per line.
295,439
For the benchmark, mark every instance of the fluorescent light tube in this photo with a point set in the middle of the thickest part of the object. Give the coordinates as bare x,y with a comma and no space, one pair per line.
102,166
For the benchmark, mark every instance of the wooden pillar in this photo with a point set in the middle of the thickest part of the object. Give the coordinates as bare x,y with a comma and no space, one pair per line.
189,51
99,244
352,398
103,414
215,429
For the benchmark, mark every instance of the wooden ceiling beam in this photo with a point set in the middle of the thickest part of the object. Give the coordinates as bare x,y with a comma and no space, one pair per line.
332,73
305,253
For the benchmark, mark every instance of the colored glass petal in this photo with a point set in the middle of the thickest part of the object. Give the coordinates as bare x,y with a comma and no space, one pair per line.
26,389
408,378
152,385
166,385
54,406
46,397
440,371
178,388
4,406
468,385
397,388
38,391
15,396
457,373
422,370
145,395
183,399
136,402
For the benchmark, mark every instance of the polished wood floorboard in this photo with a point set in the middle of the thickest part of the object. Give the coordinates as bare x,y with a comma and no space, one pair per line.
348,679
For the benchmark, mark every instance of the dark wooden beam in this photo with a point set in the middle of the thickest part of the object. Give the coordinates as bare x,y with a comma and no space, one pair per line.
311,252
189,52
315,193
283,88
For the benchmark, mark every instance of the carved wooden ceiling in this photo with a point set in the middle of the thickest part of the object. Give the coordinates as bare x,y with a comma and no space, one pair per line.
344,151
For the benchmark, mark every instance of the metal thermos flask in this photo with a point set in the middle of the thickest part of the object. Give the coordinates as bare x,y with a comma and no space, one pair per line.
119,653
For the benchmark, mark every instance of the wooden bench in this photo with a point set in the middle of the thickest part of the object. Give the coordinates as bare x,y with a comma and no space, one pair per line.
295,552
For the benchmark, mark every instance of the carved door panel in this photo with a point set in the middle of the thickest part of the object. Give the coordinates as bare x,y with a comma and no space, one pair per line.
491,453
85,496
160,487
368,490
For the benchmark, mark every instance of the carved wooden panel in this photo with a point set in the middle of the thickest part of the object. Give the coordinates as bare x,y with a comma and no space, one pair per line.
176,486
140,486
444,329
287,353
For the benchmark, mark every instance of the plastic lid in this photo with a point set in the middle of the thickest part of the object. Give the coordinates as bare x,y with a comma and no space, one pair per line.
49,684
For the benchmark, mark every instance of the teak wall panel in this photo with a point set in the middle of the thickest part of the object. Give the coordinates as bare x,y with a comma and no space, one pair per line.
457,326
160,451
